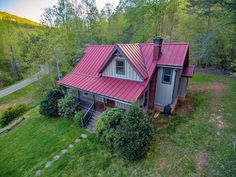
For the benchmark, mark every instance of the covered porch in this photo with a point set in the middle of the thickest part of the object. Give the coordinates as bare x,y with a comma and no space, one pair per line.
94,105
100,103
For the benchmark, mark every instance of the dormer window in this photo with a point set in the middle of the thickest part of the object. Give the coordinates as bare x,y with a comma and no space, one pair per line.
120,66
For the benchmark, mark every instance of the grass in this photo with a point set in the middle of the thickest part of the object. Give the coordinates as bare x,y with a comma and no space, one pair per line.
33,143
175,150
14,18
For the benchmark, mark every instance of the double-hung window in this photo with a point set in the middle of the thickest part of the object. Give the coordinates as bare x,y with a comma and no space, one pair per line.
120,66
166,75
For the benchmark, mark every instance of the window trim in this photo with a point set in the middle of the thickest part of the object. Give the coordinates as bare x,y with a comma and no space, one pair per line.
120,60
164,74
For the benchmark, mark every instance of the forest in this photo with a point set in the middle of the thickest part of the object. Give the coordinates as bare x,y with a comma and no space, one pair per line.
68,27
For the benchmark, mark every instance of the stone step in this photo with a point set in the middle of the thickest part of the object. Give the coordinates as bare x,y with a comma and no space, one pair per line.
93,120
90,128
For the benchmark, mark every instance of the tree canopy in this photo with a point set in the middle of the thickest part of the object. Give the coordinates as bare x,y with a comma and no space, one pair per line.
209,26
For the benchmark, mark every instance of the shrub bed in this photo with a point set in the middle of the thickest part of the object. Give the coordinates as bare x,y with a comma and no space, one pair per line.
49,105
107,124
67,106
134,134
127,132
78,117
11,113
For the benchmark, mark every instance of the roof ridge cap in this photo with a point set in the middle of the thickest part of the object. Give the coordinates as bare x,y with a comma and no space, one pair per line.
173,43
129,44
102,45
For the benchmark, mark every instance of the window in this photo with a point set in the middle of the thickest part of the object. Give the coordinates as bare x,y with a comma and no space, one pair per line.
166,75
120,67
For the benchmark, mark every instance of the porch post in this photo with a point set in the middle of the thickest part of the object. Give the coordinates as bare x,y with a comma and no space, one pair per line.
79,95
94,102
104,104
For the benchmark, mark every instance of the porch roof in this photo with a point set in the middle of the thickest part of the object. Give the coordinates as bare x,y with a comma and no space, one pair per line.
119,89
188,71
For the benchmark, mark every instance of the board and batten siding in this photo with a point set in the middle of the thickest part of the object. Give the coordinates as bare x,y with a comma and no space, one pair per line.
122,105
183,86
177,85
89,97
164,92
130,72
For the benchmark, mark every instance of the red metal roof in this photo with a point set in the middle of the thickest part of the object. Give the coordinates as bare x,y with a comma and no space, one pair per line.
120,89
86,76
134,55
188,71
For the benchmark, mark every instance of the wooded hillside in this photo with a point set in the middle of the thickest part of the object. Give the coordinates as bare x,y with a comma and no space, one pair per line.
16,35
209,26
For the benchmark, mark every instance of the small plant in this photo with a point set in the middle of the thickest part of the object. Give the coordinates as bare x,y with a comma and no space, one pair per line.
11,113
49,105
78,117
67,106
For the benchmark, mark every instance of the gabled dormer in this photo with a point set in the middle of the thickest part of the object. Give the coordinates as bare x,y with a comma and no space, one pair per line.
119,66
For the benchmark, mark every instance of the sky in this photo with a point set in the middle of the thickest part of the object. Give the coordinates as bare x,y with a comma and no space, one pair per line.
32,9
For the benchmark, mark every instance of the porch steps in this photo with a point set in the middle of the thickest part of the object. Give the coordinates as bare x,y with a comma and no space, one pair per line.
90,126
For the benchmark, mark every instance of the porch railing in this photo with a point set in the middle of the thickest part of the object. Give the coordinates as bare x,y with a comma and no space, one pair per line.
87,116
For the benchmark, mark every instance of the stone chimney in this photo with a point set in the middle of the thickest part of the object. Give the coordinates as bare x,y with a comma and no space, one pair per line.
157,44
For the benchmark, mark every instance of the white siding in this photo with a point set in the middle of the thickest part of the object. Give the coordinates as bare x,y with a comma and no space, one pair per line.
164,92
183,86
122,105
90,96
130,72
177,84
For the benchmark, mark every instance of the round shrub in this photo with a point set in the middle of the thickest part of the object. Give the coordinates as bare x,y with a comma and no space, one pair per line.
49,105
67,106
107,124
78,117
12,113
134,134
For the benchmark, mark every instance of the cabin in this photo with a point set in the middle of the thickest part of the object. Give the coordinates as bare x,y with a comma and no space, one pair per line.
154,75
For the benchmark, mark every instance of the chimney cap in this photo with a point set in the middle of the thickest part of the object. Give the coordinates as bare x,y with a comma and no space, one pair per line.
157,39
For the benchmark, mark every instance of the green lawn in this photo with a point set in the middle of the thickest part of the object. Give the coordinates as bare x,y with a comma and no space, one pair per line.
191,145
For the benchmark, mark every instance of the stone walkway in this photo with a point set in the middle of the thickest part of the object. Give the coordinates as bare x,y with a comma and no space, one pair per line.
62,152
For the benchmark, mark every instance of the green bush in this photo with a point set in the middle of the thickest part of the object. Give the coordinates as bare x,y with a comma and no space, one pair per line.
134,134
67,106
12,113
78,117
107,124
49,105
